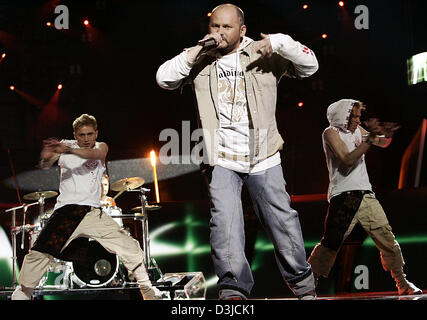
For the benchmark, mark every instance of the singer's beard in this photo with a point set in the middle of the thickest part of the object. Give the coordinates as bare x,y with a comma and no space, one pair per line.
228,48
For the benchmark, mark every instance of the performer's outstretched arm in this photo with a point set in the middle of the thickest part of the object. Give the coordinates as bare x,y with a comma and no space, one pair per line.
97,153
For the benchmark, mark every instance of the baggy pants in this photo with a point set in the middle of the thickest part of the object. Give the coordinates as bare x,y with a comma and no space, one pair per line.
97,226
281,222
370,215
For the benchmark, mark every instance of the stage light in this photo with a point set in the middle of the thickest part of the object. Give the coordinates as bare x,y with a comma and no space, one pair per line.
305,6
324,36
209,14
416,68
153,164
86,22
341,3
49,24
3,55
300,104
59,86
12,88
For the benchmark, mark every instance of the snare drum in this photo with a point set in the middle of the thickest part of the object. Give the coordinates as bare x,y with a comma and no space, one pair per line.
114,211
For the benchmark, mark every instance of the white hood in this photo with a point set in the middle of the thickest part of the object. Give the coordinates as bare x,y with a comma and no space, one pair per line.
339,112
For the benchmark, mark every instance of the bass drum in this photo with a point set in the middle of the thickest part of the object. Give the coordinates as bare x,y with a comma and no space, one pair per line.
99,268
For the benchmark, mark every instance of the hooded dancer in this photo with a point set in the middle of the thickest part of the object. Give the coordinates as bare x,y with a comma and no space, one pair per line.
235,83
350,195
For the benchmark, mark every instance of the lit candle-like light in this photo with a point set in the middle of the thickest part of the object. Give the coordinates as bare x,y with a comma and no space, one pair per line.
153,164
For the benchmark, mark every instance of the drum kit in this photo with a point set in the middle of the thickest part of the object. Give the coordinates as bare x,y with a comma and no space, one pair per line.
102,268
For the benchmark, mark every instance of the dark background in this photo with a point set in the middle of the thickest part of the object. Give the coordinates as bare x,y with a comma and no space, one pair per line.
112,76
108,70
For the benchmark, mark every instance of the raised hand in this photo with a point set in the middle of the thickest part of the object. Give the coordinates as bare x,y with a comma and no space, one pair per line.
388,128
263,47
53,145
194,52
373,125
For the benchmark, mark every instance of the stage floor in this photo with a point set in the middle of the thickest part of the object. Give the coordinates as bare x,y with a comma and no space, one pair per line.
132,293
388,295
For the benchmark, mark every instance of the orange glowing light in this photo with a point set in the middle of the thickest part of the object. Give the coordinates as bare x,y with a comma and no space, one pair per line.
86,22
153,158
324,36
209,14
156,185
3,55
59,86
341,3
300,104
12,88
305,6
48,24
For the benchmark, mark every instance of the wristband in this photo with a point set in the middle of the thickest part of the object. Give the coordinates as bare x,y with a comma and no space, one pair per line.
369,140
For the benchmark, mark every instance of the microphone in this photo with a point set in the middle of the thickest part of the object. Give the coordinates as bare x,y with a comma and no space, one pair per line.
210,42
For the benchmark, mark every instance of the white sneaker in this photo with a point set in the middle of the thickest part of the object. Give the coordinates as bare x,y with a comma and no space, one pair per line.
409,289
152,293
21,293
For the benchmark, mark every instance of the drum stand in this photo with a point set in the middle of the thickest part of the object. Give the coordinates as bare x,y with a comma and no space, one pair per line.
149,260
15,230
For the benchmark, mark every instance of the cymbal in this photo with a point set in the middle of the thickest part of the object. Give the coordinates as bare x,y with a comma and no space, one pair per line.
127,184
141,167
37,195
148,207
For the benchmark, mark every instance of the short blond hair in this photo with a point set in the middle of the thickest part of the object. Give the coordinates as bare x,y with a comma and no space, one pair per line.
360,104
85,120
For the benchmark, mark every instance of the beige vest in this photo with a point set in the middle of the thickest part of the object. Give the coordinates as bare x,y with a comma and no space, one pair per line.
261,82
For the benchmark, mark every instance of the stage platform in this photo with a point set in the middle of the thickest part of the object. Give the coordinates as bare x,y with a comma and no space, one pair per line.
389,295
132,293
110,293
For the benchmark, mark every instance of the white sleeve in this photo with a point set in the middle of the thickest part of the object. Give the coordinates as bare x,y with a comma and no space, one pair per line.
303,59
172,72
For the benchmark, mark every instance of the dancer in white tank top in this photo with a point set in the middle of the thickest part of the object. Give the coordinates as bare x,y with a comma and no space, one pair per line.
350,195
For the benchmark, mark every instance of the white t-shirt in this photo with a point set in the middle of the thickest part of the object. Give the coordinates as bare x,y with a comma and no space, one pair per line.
234,132
343,178
80,179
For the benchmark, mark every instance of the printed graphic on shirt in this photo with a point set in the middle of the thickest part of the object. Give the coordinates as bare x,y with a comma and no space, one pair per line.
231,91
233,111
91,164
